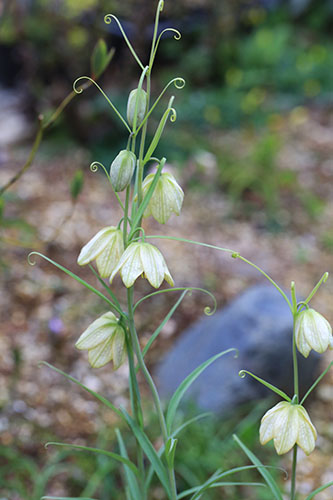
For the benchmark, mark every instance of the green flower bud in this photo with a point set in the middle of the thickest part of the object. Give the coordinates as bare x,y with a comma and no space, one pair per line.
122,169
288,424
312,331
141,109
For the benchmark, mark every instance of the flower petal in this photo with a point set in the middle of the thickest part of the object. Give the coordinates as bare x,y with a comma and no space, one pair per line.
286,428
96,333
95,246
109,258
307,433
101,354
153,264
118,347
266,430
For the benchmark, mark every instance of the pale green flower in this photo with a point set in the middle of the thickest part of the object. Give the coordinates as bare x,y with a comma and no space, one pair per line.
167,197
312,331
105,341
106,247
288,424
142,258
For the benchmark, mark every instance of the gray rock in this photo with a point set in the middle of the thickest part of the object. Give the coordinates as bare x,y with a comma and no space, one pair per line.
259,325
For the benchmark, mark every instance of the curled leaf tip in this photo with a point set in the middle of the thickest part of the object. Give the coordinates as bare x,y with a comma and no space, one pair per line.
236,352
108,18
235,255
31,261
179,82
326,275
242,373
160,5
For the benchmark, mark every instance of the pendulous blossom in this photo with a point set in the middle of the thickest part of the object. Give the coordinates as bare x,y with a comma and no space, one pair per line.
105,341
139,95
106,247
288,424
142,258
167,197
312,331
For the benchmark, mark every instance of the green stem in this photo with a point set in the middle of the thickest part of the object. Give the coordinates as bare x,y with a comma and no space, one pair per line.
128,189
150,382
293,474
142,145
295,362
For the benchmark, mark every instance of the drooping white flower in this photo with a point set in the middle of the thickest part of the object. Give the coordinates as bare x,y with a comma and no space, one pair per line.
142,258
167,197
105,341
288,424
106,247
312,331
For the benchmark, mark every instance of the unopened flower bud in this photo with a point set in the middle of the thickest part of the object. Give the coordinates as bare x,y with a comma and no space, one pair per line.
288,424
312,331
141,96
105,341
167,197
122,169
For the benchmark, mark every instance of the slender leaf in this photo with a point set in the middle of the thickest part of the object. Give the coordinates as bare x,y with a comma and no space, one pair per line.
180,391
160,327
150,452
103,400
130,477
317,382
283,395
318,490
219,484
110,454
66,498
77,278
271,483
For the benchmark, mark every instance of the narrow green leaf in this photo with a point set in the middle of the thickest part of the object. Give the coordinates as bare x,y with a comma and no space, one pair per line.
219,484
159,130
110,454
283,395
130,477
100,58
77,278
317,382
271,483
146,199
318,490
170,450
160,327
150,452
103,400
180,391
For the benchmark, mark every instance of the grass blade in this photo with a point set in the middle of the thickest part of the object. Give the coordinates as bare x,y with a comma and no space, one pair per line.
318,490
271,483
110,454
130,477
103,400
150,452
180,391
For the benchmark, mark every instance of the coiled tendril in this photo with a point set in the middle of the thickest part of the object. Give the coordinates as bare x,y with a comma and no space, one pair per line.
80,90
94,167
108,20
177,36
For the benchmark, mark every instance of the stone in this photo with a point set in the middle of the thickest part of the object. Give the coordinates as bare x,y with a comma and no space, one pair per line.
259,324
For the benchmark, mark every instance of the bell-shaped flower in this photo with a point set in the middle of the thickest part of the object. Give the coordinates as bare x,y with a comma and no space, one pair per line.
106,247
105,341
312,331
142,258
288,424
137,101
167,197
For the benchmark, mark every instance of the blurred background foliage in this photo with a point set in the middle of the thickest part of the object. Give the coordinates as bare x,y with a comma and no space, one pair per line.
245,63
254,70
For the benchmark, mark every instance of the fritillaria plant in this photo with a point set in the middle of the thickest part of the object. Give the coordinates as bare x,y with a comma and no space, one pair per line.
124,249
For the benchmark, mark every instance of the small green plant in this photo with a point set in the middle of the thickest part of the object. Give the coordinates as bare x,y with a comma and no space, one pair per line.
125,250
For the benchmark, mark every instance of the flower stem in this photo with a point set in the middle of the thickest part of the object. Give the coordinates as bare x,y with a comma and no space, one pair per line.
293,474
151,384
